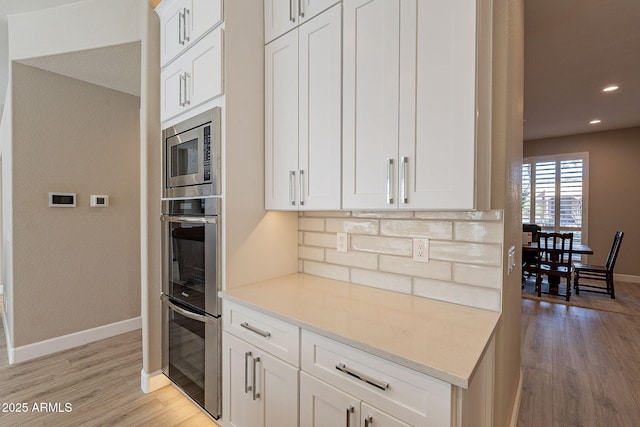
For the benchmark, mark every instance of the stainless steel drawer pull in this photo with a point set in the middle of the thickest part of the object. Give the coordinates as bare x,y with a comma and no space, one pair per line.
247,387
403,182
368,421
292,188
349,412
301,189
256,393
382,385
389,172
255,330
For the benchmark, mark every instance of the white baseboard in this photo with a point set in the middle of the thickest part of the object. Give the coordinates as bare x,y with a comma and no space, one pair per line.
53,345
626,278
153,381
516,405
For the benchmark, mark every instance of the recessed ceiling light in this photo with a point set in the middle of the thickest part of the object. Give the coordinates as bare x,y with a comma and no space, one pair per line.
595,122
611,88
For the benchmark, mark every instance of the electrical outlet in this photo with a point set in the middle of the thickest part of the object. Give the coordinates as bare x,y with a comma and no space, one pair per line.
342,243
421,250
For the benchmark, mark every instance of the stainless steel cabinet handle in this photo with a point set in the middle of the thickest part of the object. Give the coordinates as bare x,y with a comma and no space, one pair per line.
247,387
300,6
389,172
350,410
292,188
382,385
368,421
301,189
180,27
403,179
185,27
255,330
181,90
292,17
187,98
256,393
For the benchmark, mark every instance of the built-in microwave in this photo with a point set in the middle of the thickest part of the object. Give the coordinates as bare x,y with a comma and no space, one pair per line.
191,156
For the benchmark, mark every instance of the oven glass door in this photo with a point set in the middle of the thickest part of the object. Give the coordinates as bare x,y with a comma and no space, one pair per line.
185,159
190,268
191,355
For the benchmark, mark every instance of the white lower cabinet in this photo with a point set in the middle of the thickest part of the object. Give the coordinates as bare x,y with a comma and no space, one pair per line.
258,389
277,374
323,405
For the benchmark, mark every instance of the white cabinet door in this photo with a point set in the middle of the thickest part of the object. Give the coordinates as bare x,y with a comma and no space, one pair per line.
205,62
280,16
239,408
371,103
194,78
310,8
172,90
320,111
183,22
437,125
322,405
261,390
375,418
281,123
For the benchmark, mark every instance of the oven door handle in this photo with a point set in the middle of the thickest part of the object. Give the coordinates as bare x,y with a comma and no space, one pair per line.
186,313
190,219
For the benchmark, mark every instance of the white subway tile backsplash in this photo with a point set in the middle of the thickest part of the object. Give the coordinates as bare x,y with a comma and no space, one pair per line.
352,226
376,279
468,253
326,240
488,277
485,232
382,245
329,271
461,215
488,299
442,230
310,224
402,265
465,250
310,253
352,259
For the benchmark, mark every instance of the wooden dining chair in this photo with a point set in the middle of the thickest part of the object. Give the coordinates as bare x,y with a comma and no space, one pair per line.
599,272
555,251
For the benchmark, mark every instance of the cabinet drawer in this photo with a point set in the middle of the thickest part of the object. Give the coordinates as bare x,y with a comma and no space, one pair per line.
279,338
397,390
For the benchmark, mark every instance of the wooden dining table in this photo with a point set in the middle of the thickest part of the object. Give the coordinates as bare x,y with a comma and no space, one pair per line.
554,281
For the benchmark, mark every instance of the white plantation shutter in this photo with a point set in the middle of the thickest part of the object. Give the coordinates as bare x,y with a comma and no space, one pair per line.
554,194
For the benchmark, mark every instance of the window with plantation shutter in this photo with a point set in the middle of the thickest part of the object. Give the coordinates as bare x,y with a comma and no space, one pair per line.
554,193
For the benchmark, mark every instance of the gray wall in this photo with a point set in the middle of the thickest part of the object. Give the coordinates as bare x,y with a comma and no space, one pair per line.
73,269
614,198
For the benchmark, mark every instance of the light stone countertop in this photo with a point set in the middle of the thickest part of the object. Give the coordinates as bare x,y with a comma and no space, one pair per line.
440,339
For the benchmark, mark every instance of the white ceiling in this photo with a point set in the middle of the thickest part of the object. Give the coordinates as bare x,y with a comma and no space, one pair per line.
574,48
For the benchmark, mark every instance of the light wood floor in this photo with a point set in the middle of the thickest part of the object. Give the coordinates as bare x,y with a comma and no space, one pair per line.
581,367
100,380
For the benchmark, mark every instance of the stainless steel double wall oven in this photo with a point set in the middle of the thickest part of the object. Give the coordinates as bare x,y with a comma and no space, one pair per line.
190,222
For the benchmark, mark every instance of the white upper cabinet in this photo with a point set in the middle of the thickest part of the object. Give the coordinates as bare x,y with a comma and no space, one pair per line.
281,16
414,136
183,22
194,77
303,116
